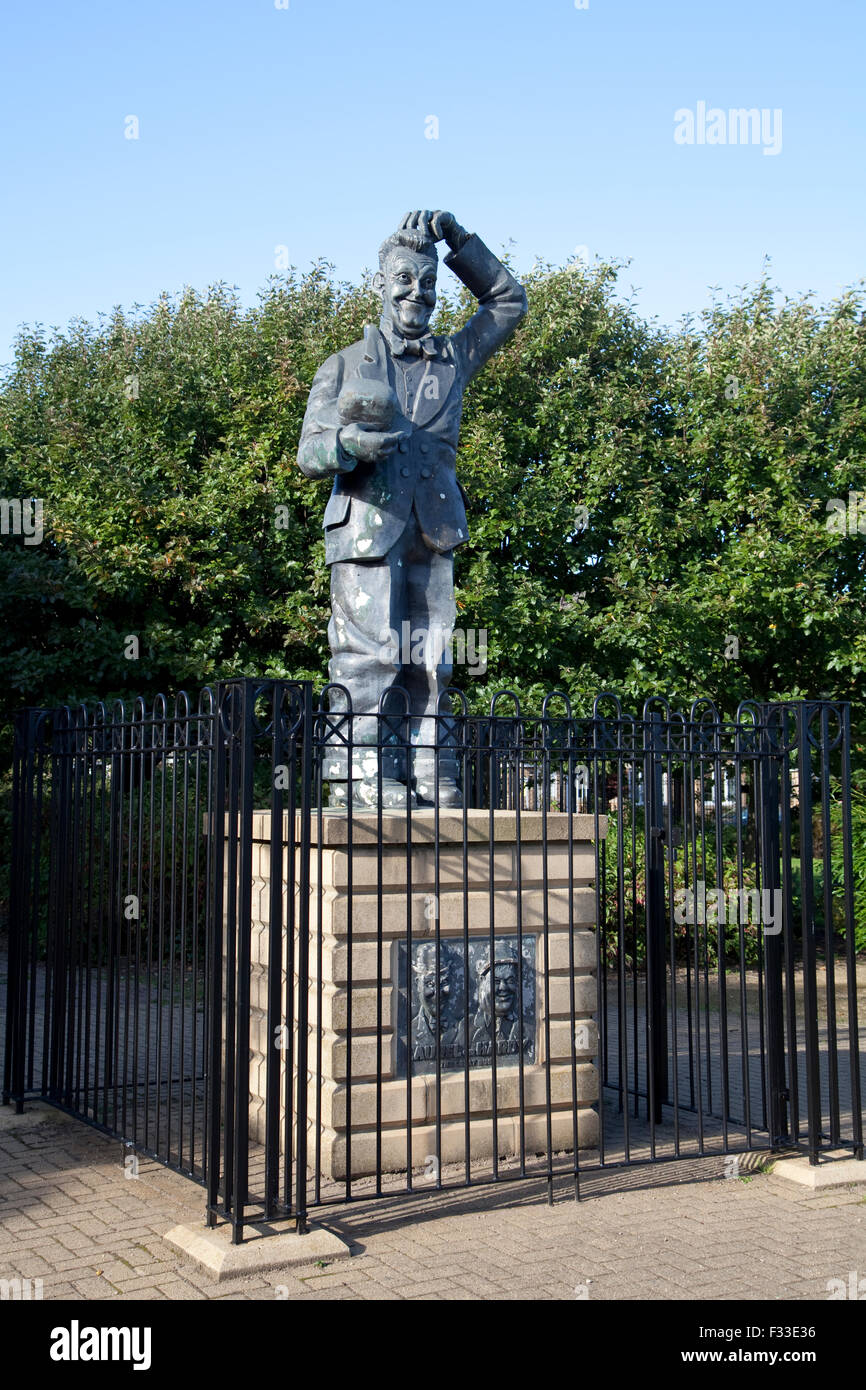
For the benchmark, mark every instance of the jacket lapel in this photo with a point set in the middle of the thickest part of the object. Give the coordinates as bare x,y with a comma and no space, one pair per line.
373,364
436,382
434,390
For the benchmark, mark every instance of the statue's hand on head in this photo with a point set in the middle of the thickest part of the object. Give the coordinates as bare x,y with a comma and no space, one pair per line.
436,226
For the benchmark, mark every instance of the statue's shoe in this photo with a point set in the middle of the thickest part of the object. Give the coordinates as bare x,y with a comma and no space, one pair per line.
446,794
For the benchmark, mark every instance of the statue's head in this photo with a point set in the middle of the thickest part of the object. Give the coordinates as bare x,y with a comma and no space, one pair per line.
499,982
435,988
406,282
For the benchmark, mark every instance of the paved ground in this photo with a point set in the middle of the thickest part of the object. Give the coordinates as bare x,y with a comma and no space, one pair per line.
70,1216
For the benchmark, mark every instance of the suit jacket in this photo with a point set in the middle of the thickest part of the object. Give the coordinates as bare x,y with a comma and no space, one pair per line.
370,506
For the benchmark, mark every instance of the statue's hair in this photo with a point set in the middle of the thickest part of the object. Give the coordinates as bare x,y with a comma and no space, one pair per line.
502,955
426,958
413,241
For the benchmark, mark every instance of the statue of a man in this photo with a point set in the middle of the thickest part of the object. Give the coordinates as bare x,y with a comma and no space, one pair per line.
383,418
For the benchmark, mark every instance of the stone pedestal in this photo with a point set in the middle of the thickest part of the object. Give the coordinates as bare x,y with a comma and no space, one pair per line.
372,907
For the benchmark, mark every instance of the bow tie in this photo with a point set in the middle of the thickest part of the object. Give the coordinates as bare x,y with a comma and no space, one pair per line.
413,347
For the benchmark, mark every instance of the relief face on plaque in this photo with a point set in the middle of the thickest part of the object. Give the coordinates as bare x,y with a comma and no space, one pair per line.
433,1004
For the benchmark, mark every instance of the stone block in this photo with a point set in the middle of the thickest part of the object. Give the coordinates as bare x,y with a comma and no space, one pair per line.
453,909
510,1142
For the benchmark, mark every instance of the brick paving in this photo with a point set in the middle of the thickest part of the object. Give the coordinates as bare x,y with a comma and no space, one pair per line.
70,1216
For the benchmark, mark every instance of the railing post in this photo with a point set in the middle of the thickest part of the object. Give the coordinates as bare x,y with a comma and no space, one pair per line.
244,831
807,909
25,842
850,953
214,954
303,926
773,944
277,1025
656,923
59,909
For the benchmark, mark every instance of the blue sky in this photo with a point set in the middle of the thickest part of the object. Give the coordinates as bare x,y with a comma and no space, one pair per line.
305,127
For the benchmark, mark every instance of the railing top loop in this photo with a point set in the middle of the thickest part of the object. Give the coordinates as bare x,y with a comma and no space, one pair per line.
343,694
556,695
648,710
501,694
602,696
703,710
395,694
446,696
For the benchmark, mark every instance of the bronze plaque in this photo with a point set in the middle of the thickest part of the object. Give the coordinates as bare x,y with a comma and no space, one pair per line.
461,1015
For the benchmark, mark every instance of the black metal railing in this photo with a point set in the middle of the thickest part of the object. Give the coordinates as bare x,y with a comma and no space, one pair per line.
306,959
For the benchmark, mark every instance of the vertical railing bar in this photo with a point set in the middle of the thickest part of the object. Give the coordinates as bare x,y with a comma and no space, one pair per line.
20,888
437,927
721,933
516,759
66,1016
829,954
38,901
465,779
771,946
669,843
636,734
788,927
304,958
216,926
161,934
130,918
141,927
491,852
850,953
274,1031
745,1044
79,874
807,908
243,968
696,809
288,848
567,770
622,1029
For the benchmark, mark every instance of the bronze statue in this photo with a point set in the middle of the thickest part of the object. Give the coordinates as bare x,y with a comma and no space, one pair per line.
383,419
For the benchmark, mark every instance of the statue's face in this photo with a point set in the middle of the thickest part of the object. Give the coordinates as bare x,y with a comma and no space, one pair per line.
436,991
505,992
408,289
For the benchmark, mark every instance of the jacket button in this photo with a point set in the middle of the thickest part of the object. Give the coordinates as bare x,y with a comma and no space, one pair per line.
403,446
425,448
426,472
404,471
